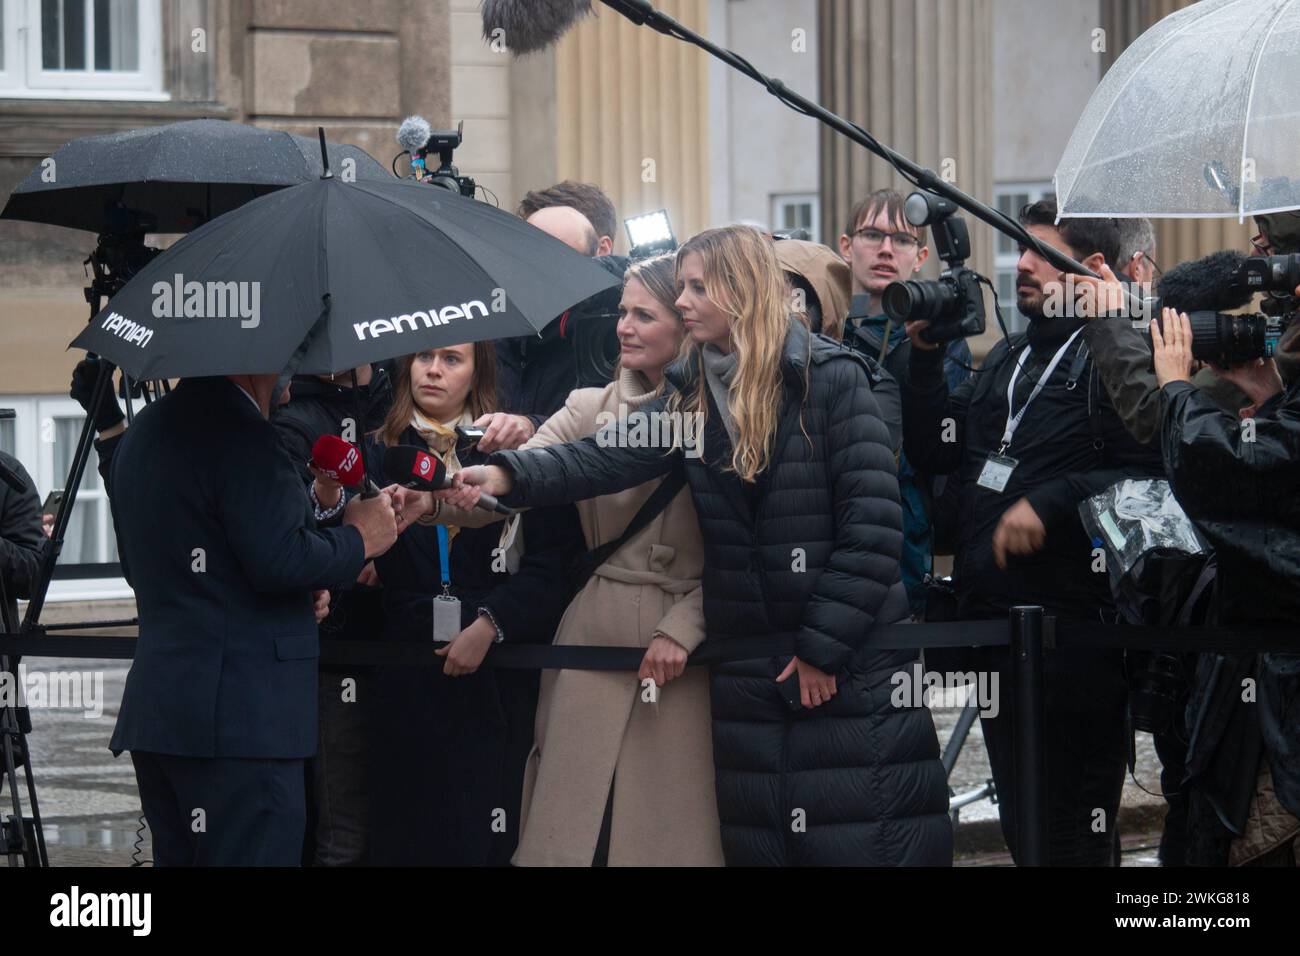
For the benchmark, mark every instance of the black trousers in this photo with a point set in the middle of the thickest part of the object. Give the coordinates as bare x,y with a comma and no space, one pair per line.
1086,727
223,811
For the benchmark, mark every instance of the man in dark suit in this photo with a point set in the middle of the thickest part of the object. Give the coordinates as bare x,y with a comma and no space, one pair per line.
217,538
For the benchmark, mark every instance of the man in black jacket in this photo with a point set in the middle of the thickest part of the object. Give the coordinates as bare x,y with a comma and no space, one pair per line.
217,539
1028,438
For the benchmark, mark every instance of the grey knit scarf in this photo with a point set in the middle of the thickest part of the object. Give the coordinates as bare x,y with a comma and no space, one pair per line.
719,371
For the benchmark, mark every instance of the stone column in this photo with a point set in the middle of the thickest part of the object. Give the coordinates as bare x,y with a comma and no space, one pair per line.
918,77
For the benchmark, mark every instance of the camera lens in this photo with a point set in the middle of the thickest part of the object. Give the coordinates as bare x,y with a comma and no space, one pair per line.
918,300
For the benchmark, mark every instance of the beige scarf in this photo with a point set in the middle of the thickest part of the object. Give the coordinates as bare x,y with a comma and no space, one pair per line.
441,438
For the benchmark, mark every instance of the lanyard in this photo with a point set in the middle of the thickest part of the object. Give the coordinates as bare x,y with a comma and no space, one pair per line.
1013,421
444,561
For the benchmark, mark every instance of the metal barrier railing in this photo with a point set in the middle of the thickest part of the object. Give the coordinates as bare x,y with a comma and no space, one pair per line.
1030,632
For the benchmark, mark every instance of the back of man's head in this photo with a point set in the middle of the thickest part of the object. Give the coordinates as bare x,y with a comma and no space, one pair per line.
1084,236
587,198
569,226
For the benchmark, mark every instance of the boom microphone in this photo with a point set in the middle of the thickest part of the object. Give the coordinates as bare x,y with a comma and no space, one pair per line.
341,461
413,467
1210,284
532,25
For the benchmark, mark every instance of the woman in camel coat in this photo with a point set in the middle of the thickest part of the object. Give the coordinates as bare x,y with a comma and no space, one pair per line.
598,739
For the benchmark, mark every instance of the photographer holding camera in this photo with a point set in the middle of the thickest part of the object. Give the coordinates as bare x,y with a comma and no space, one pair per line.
1029,437
1236,476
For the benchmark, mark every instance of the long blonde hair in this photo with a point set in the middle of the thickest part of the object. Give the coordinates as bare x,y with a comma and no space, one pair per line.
743,279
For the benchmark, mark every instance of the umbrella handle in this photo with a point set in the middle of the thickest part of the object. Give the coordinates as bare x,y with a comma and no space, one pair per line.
324,156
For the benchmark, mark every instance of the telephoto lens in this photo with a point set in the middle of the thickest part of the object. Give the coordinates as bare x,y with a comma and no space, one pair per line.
1224,339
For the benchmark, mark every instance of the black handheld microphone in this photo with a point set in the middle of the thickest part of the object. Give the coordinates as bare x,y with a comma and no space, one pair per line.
413,467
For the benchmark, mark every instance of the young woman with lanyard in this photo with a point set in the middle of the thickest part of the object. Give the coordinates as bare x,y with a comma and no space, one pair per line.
450,740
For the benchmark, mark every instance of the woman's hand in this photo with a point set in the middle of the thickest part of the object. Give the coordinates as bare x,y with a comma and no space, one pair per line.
503,431
328,490
815,687
1172,347
468,648
476,480
664,660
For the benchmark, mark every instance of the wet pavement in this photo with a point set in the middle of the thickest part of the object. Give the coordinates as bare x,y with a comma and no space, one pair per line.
91,809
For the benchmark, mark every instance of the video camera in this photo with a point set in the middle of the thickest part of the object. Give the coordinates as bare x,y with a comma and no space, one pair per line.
1204,288
954,303
418,139
120,252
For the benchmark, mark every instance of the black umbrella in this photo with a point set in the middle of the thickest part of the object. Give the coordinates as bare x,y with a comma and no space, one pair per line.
176,177
329,275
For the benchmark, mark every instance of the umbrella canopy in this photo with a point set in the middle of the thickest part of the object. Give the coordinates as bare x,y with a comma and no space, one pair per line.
1199,117
329,275
178,176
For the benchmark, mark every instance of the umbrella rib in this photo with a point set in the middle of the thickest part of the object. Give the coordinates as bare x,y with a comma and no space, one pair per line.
1173,35
1250,100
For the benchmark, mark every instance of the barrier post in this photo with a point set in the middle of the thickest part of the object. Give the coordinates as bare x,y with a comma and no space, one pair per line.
1030,765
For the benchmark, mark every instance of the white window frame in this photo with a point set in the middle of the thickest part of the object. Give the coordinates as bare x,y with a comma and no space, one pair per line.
24,77
812,199
38,457
1004,263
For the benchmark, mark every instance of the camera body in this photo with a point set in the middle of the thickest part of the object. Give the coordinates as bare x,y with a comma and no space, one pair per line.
446,176
953,304
1271,274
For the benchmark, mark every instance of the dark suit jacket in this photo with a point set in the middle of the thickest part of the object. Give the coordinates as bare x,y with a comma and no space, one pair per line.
226,662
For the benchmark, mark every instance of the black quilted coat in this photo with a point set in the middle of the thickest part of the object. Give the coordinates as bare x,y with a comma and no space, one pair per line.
809,551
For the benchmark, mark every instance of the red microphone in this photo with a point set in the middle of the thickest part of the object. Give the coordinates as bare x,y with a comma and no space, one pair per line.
341,461
413,467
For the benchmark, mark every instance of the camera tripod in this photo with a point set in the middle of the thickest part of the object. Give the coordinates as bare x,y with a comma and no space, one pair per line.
21,837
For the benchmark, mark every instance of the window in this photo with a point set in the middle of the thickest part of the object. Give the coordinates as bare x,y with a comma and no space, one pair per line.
43,436
81,49
1011,198
797,211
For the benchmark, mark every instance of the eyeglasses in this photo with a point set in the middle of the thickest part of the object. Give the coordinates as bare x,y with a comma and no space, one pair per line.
903,241
1263,245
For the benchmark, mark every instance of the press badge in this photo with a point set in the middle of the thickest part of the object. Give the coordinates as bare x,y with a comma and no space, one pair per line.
997,472
446,618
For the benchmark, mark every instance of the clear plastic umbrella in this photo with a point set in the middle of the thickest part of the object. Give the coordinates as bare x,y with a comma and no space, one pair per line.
1199,117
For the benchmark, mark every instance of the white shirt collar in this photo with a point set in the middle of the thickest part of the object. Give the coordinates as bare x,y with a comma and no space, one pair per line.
249,396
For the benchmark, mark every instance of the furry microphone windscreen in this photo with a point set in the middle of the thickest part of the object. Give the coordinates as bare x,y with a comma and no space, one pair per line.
530,25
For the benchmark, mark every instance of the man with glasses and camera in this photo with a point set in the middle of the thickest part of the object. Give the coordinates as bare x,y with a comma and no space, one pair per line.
882,247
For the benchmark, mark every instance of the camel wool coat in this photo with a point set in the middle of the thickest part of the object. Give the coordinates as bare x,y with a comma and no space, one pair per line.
594,730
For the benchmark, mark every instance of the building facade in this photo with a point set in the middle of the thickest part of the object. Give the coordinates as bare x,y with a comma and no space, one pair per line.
985,92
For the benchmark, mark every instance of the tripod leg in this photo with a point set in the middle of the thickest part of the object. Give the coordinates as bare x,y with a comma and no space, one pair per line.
75,473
